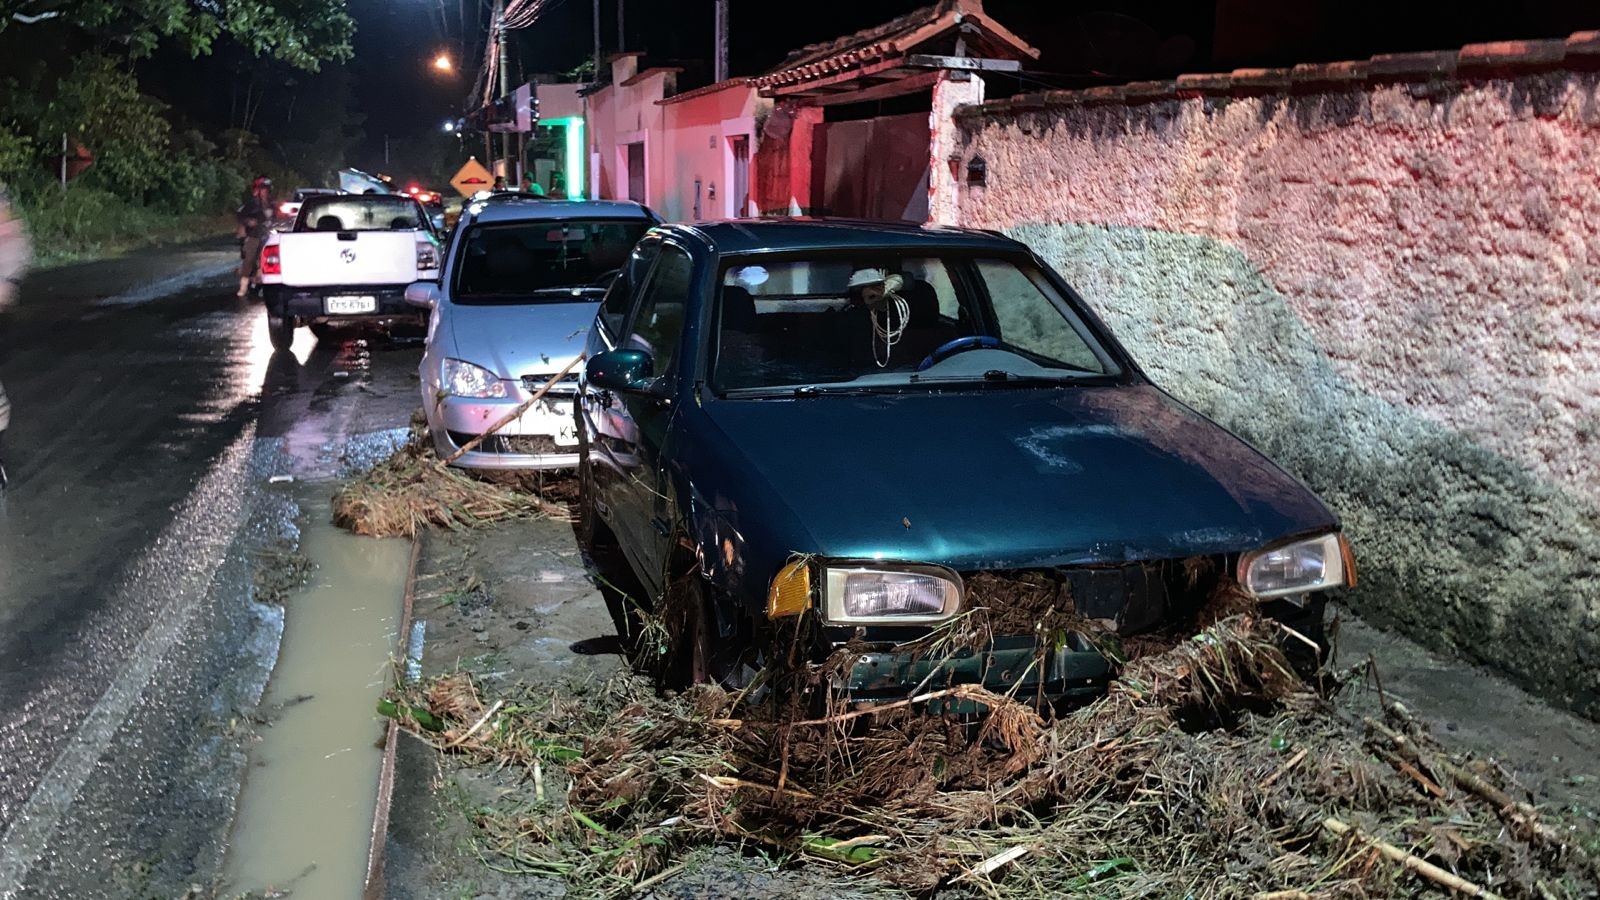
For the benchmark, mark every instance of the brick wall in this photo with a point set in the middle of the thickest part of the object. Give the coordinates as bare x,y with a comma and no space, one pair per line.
1386,274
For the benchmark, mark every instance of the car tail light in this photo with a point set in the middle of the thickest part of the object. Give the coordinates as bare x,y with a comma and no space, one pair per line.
271,262
286,209
427,257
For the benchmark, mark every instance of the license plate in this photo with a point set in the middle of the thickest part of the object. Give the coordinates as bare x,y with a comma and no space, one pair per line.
345,304
554,419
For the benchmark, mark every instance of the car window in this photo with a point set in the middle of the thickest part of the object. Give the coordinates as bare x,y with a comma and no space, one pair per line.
542,261
614,309
363,213
657,324
1025,322
883,319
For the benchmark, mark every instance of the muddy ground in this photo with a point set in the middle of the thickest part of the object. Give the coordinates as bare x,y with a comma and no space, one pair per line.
513,604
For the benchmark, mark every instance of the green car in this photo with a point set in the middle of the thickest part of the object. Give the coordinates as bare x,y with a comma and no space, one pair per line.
917,452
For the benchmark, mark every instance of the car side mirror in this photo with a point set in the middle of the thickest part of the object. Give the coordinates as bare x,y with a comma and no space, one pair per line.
624,371
423,293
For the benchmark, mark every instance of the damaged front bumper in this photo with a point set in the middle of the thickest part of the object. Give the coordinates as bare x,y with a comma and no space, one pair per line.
1072,672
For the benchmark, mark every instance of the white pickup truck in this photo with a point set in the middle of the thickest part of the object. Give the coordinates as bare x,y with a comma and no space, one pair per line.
348,258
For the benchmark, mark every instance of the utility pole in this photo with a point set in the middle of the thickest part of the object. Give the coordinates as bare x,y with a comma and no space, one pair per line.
721,71
505,78
595,76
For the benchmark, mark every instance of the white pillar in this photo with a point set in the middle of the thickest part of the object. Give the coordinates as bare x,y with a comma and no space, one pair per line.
944,184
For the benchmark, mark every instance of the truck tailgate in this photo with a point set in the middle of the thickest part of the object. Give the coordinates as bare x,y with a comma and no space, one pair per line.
317,258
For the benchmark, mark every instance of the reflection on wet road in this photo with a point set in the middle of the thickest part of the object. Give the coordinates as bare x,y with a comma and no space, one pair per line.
150,413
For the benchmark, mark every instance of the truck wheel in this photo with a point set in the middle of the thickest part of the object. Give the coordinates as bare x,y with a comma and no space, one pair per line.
281,330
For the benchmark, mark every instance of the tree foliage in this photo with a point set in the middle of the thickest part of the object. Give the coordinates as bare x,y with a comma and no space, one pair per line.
140,158
304,33
101,106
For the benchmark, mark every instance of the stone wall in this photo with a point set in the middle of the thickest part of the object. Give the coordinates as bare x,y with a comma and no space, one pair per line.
1385,274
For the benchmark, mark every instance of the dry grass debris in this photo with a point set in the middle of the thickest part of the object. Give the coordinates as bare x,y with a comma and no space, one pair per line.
1209,769
413,489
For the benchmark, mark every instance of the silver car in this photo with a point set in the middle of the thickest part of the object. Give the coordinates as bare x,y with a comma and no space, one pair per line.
522,279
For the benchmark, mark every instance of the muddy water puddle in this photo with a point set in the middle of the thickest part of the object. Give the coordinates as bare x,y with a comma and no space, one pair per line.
305,816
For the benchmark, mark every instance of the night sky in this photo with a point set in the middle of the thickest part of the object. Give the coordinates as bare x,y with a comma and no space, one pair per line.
1083,42
1095,41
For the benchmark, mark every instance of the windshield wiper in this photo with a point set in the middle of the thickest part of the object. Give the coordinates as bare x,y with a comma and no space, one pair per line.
804,390
1009,379
573,289
818,390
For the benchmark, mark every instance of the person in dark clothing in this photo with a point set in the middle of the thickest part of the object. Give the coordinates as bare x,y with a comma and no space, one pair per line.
255,220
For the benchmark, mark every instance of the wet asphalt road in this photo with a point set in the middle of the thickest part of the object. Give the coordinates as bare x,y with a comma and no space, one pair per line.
149,416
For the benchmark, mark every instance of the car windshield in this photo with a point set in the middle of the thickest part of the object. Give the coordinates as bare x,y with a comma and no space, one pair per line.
827,323
542,261
360,213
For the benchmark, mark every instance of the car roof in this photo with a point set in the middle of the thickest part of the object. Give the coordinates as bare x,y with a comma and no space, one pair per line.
527,208
785,235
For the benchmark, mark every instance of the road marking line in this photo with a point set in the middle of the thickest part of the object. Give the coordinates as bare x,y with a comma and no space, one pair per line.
35,823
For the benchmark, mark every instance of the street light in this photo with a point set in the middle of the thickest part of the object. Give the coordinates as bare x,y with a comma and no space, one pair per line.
442,63
449,127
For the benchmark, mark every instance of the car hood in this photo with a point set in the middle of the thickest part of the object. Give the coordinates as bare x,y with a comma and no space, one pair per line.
1006,478
522,339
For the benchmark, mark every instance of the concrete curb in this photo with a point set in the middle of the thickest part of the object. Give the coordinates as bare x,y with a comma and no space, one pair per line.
380,816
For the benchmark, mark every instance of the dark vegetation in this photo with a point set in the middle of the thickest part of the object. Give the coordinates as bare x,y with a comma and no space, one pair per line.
92,72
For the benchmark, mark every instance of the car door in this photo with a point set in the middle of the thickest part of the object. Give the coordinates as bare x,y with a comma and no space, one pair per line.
603,419
644,506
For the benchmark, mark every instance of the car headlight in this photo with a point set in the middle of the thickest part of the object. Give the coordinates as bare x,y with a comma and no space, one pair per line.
890,595
1300,567
463,379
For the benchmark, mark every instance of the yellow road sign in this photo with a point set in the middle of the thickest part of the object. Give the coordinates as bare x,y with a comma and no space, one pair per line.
472,178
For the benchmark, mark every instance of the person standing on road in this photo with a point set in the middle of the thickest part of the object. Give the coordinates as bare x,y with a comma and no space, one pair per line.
14,255
254,217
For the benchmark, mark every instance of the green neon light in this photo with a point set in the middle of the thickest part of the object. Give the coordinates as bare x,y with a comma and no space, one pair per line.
576,183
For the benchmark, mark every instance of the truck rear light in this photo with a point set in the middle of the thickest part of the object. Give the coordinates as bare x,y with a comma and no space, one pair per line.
271,262
427,257
286,209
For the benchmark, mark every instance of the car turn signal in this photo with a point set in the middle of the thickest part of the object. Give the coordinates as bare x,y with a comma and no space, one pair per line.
790,594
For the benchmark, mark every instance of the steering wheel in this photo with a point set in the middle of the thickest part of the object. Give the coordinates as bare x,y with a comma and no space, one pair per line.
959,345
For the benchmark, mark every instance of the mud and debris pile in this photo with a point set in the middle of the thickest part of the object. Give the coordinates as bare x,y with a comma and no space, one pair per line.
1209,769
413,488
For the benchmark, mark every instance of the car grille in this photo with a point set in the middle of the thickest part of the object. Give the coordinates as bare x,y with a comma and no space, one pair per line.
565,387
1136,596
518,444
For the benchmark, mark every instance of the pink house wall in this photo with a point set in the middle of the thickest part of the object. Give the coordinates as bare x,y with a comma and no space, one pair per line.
624,112
698,134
